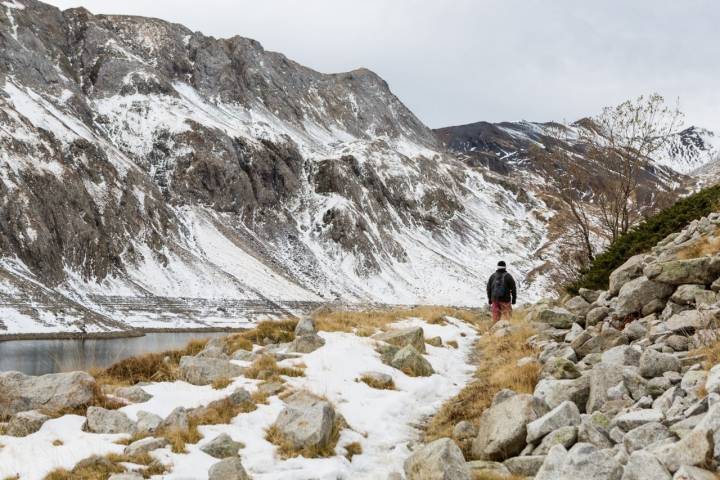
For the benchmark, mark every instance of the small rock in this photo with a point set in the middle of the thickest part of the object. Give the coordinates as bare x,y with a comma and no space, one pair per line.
484,469
596,315
685,294
228,469
694,473
633,419
644,435
525,466
441,459
222,446
643,465
24,423
414,337
100,420
306,343
694,449
654,364
635,330
565,414
145,445
565,436
204,371
134,394
147,422
179,419
464,430
410,362
306,421
305,326
557,317
435,341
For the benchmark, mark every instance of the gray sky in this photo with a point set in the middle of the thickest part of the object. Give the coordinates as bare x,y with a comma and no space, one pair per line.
460,61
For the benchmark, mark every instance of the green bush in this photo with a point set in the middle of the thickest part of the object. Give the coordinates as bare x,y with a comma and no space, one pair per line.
646,235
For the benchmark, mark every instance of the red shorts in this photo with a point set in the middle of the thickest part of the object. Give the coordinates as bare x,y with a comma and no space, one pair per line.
501,310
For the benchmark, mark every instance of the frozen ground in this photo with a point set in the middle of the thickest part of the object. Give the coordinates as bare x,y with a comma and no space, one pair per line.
384,422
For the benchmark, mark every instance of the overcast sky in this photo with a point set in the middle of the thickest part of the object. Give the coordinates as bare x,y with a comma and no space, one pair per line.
460,61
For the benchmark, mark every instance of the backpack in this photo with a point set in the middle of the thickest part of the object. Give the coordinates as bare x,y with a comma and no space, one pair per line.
499,287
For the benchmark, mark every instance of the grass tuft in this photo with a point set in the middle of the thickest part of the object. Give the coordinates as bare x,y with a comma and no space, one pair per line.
265,367
373,383
220,383
352,449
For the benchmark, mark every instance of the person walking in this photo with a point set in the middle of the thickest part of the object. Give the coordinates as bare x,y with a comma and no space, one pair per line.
501,292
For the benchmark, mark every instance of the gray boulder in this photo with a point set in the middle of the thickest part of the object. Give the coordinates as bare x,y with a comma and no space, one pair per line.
306,421
596,315
409,361
622,355
147,422
306,343
635,330
560,368
688,322
635,294
464,430
222,446
557,317
590,296
643,465
134,394
551,468
305,326
524,466
685,294
582,461
100,420
52,393
485,469
636,418
178,419
629,270
701,271
228,469
644,435
565,436
438,460
601,378
564,415
145,445
414,337
554,392
694,473
502,430
712,384
578,306
605,340
654,364
24,423
204,371
594,429
694,449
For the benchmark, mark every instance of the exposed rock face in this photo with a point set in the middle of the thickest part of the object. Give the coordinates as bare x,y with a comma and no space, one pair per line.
54,393
438,460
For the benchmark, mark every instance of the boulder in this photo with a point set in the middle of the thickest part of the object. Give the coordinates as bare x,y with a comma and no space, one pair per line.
688,321
464,430
438,460
644,465
593,429
629,270
636,418
565,436
205,370
694,473
178,419
525,466
705,298
557,317
409,361
551,467
414,337
622,355
554,392
213,351
654,364
240,396
560,368
578,306
435,341
564,415
228,469
24,423
605,340
712,384
590,296
596,315
134,394
52,393
601,378
503,427
222,446
678,343
305,326
306,343
145,445
635,294
485,469
694,449
100,420
147,422
685,294
306,421
583,461
635,330
701,271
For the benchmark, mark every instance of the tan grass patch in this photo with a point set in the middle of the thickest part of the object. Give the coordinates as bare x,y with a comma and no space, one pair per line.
286,450
705,246
352,449
220,383
367,322
496,360
495,476
179,438
265,367
272,331
260,398
373,383
452,343
57,443
94,468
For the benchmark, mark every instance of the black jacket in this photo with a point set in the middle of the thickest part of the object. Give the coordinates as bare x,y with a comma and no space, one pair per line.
510,288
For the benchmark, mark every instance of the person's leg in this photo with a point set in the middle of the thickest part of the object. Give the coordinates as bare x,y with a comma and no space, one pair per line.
496,311
506,312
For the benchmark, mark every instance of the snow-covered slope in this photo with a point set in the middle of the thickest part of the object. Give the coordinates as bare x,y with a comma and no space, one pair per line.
153,177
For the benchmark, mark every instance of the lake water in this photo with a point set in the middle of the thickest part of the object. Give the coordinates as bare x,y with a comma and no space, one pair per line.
38,357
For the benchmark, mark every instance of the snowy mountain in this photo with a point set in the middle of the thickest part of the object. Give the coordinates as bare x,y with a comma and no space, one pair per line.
155,177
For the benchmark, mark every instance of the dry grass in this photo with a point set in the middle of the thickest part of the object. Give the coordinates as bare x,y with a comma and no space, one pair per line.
57,443
286,450
452,343
495,476
94,468
133,438
220,383
365,323
496,360
705,246
260,398
352,449
268,331
151,367
178,438
265,367
373,383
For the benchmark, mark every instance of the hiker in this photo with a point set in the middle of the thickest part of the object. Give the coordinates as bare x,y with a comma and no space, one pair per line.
501,292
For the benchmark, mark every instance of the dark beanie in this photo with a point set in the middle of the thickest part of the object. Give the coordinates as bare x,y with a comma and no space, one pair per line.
501,264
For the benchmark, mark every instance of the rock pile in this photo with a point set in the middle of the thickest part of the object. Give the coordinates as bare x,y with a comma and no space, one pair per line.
621,396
